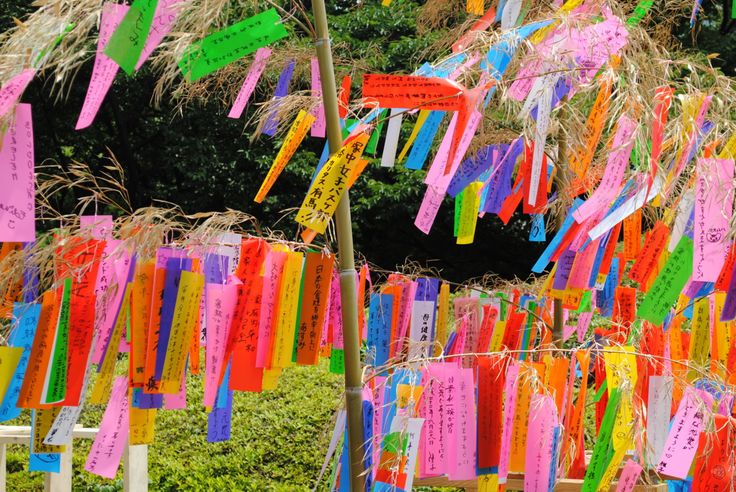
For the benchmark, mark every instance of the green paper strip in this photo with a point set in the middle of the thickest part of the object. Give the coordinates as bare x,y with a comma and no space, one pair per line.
586,304
602,451
370,148
56,390
395,443
224,47
641,10
599,394
337,361
669,283
458,212
527,331
127,42
299,310
502,305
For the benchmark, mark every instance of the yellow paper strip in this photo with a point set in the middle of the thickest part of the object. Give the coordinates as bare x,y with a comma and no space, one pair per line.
297,132
142,424
469,214
414,132
325,193
442,318
287,315
621,374
699,338
9,358
185,313
103,384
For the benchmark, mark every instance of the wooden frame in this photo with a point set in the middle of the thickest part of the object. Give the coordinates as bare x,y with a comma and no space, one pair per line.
135,460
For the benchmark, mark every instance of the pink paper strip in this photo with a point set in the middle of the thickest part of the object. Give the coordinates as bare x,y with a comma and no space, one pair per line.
437,169
580,273
17,201
219,307
13,89
540,443
584,320
177,401
713,211
682,441
249,84
428,209
510,391
163,21
336,312
450,377
613,176
629,476
436,175
319,127
107,450
100,226
432,449
407,302
105,69
377,394
113,270
462,467
273,268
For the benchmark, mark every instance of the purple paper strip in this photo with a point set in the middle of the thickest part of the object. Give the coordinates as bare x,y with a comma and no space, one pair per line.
129,279
427,289
282,88
499,186
174,267
146,401
729,306
473,167
564,267
215,268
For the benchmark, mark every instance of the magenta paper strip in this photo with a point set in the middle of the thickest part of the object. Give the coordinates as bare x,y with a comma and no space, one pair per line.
13,89
104,70
269,297
319,127
219,307
104,457
163,21
713,210
249,84
510,390
540,443
682,441
17,207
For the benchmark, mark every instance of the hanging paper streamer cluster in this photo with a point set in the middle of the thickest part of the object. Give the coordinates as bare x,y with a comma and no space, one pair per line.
256,305
470,386
465,386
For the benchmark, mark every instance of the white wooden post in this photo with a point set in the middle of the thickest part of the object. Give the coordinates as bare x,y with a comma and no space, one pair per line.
62,481
3,470
135,468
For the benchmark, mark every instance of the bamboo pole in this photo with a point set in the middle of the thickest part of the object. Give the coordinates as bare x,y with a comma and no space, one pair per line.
343,222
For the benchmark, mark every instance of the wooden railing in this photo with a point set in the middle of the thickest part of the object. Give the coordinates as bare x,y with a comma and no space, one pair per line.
135,460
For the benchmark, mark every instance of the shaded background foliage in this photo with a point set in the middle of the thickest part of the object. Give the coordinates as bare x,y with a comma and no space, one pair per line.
203,161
